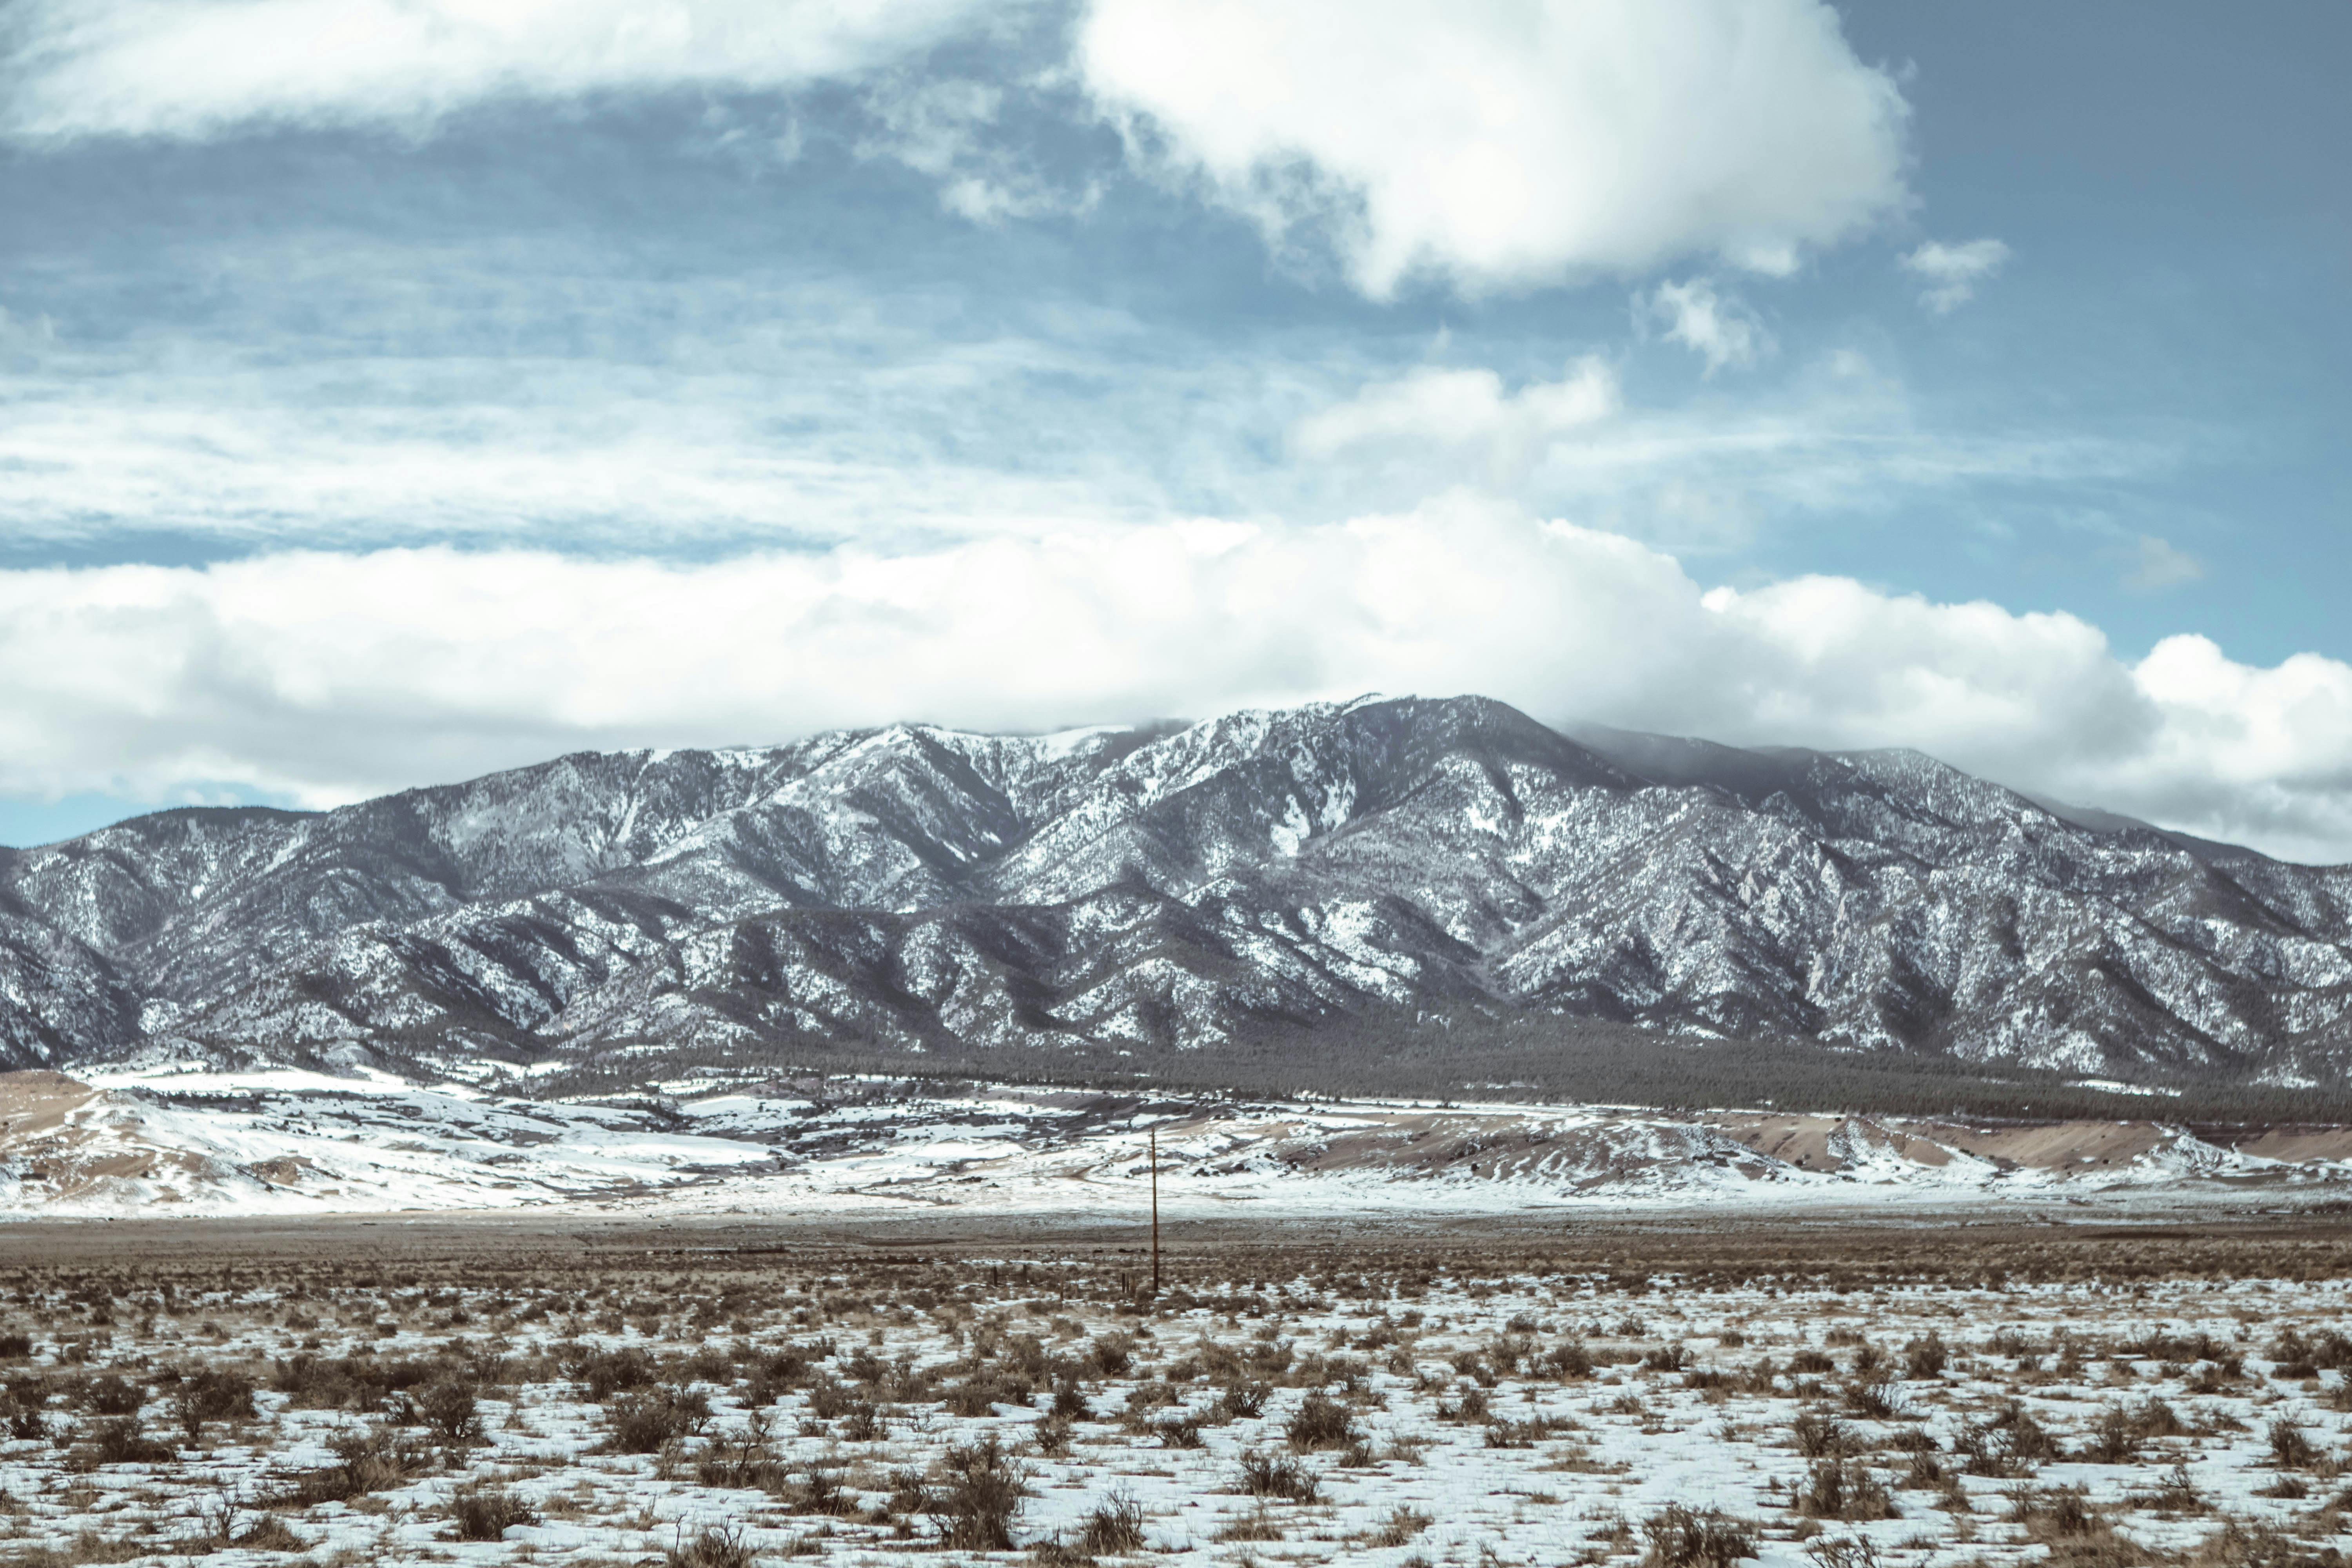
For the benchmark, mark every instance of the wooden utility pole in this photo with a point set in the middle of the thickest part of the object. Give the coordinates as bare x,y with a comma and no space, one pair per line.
1155,1211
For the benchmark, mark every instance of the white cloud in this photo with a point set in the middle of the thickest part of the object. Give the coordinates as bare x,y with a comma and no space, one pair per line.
330,676
1500,143
2159,564
942,129
1953,272
1710,324
536,394
532,393
195,68
22,337
1465,410
1836,437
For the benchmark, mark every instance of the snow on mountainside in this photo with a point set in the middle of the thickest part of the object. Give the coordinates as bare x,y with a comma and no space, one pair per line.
1142,890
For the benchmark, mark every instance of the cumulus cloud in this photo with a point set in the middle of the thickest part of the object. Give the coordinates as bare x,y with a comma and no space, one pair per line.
1710,324
325,677
1951,272
1505,145
2159,564
195,68
1465,411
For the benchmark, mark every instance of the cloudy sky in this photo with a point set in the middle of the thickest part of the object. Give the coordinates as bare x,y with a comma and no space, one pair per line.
393,390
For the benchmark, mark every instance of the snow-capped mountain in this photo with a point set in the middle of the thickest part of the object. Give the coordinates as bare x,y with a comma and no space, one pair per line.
1148,889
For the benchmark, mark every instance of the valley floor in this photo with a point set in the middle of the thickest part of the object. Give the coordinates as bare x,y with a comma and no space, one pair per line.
1534,1389
201,1142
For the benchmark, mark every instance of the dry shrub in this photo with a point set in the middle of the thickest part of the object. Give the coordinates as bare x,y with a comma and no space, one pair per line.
2176,1493
2115,1438
1843,1552
1400,1526
1243,1400
268,1533
109,1394
87,1546
1320,1422
22,1411
373,1459
1880,1398
1259,1525
820,1491
445,1408
2010,1444
1114,1527
1266,1475
1844,1489
2246,1544
983,1489
1568,1363
829,1398
485,1512
2300,1355
2291,1447
121,1440
1682,1537
774,1375
606,1372
1926,1357
2077,1535
207,1397
979,1396
1819,1436
1474,1405
1070,1402
644,1421
1524,1434
712,1546
1178,1432
2217,1376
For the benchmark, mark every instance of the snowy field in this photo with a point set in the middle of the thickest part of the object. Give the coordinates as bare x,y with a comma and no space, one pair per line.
199,1142
1927,1399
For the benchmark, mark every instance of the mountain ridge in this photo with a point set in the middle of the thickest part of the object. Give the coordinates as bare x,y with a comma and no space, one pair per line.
1159,889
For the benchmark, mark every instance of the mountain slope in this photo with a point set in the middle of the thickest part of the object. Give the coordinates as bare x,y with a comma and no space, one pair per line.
915,889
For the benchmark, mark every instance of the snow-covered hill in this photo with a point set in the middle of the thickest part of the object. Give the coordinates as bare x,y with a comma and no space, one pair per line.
1148,890
160,1143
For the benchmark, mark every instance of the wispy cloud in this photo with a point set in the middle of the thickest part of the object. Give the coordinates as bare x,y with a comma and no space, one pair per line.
1463,411
1953,272
1711,325
202,68
1702,477
2159,564
540,394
